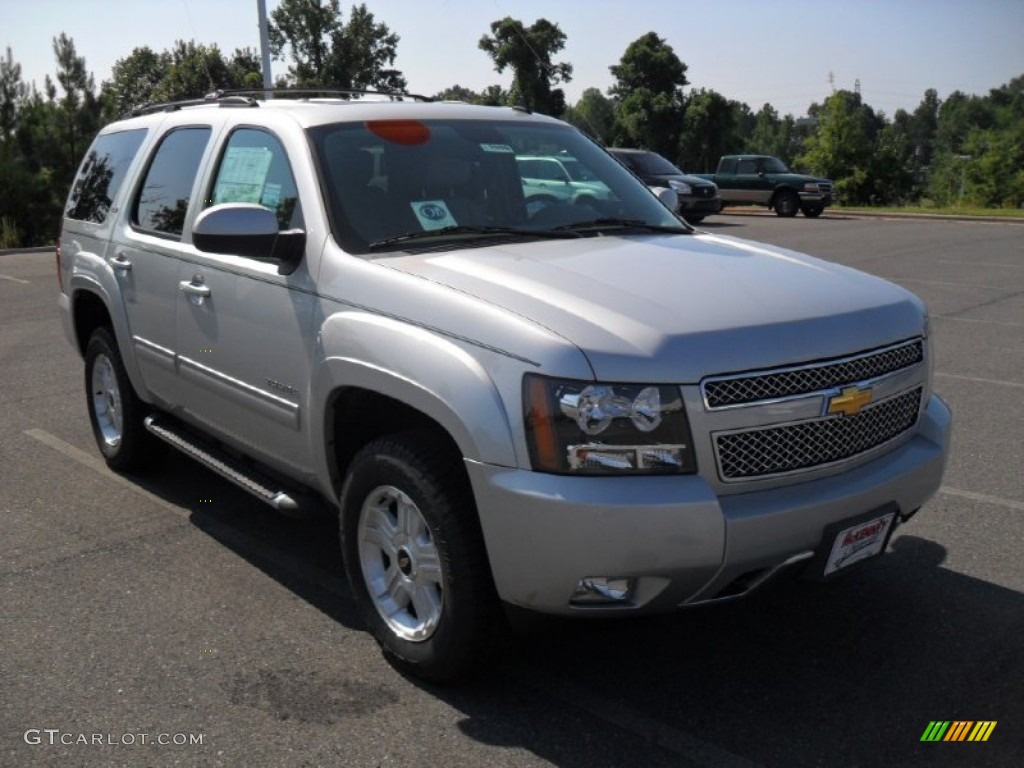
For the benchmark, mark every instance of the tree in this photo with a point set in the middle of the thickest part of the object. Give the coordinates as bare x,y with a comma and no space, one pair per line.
771,135
326,52
12,92
709,127
134,79
528,51
648,93
492,96
594,114
841,149
80,109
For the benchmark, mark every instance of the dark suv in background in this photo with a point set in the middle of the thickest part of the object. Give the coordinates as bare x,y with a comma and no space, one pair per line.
697,197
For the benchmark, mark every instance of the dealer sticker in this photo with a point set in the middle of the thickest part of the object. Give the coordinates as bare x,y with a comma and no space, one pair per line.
859,542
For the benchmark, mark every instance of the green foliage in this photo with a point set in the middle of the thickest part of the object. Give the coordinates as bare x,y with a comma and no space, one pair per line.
492,96
326,52
528,52
594,114
648,94
709,131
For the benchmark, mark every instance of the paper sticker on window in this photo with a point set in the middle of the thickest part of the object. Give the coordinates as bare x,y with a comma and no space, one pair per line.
271,195
504,149
433,214
242,175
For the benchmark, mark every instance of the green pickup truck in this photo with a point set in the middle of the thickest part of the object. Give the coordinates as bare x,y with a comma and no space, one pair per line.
764,180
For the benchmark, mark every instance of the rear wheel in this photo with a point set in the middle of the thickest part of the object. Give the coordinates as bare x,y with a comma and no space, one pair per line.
786,203
415,557
693,219
813,211
115,412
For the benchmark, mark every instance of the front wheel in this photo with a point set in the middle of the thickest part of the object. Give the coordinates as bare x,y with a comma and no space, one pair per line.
415,557
786,203
115,412
813,211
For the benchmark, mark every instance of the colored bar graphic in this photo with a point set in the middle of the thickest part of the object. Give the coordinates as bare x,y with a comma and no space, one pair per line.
982,730
935,730
958,730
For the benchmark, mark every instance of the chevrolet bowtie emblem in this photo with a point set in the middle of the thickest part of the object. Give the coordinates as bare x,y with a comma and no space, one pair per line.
849,401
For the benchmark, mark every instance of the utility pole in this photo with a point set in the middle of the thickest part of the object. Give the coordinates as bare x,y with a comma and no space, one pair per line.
268,82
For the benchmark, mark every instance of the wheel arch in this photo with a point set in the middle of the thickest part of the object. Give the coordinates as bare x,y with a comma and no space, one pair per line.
387,376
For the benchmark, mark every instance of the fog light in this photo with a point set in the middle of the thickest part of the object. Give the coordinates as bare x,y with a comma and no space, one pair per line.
598,590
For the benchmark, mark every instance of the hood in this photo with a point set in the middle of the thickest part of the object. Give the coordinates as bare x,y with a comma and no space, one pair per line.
673,309
693,181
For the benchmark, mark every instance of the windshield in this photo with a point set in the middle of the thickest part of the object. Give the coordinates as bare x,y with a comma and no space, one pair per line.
448,182
650,164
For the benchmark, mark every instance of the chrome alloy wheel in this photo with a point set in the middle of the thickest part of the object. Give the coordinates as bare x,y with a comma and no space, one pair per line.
400,564
106,400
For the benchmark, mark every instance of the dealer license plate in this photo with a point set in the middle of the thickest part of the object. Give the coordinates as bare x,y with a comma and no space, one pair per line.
859,542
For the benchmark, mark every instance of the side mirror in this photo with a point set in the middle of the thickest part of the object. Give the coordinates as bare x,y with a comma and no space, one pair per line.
668,197
245,229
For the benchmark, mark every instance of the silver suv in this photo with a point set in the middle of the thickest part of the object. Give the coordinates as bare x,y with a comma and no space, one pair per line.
577,407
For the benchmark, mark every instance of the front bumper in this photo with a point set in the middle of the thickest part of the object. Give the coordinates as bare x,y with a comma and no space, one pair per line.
678,540
815,198
704,206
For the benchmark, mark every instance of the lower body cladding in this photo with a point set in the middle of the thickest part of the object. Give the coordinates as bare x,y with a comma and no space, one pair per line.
601,545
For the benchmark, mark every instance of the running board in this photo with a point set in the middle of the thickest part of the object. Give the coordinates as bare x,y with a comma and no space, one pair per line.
210,455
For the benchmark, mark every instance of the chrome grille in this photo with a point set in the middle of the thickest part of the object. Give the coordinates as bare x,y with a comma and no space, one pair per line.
825,375
806,444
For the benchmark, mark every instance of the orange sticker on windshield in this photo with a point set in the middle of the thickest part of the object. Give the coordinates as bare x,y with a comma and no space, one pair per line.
408,132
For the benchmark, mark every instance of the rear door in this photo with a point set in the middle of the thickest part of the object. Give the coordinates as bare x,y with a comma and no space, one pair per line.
146,252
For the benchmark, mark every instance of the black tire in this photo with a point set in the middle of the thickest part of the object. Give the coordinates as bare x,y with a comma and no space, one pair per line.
395,560
813,211
786,203
115,411
693,219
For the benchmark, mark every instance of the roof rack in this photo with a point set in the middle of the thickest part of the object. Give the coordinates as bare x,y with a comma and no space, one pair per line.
248,97
305,91
217,97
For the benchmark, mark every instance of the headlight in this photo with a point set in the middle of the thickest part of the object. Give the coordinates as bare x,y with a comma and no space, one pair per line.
810,186
680,186
583,427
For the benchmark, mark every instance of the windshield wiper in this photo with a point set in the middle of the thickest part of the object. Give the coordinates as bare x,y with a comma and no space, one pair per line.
468,229
606,223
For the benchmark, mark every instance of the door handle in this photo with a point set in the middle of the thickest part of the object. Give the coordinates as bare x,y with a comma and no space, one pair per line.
120,261
194,287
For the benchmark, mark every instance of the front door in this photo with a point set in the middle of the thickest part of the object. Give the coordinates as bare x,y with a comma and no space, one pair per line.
243,330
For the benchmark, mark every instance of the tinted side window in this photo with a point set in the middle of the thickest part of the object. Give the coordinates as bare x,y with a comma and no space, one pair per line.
102,173
255,169
163,200
746,167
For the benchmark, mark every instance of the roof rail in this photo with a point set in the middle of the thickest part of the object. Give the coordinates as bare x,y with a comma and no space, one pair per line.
216,97
326,91
248,97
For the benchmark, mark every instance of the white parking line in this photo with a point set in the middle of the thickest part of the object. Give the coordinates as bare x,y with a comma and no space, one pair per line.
975,320
984,498
14,279
979,380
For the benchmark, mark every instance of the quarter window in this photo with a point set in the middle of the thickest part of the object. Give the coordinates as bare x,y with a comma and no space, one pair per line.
164,198
255,169
101,174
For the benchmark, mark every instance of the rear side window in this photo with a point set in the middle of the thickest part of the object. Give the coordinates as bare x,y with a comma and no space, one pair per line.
163,200
255,169
101,175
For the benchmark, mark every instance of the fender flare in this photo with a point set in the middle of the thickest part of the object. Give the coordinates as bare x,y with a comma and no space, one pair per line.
90,281
417,367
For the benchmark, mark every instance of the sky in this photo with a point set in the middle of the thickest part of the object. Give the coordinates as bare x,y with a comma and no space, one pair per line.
788,53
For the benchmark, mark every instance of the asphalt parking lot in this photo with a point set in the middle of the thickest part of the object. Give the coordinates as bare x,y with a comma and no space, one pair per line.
171,607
